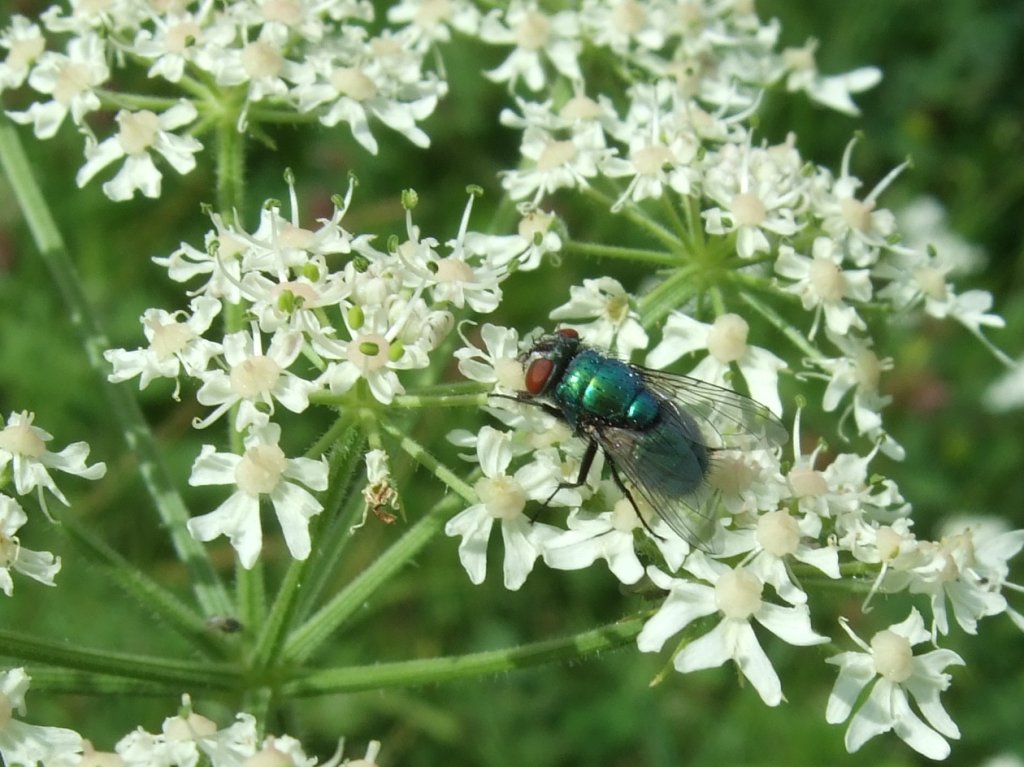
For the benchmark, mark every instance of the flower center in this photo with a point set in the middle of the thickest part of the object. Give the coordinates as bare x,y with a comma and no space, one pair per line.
354,83
192,728
748,209
181,36
169,339
533,31
827,280
580,107
932,282
138,131
733,476
893,656
807,483
649,160
868,369
432,12
370,352
71,81
454,270
624,516
254,376
502,496
778,533
283,11
260,60
857,214
727,339
509,374
290,236
20,439
8,553
556,154
887,541
260,469
629,17
738,594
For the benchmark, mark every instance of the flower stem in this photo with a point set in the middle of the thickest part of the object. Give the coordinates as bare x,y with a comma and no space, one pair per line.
210,592
639,255
445,669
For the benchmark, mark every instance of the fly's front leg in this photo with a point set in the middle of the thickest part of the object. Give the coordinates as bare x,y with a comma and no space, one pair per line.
581,476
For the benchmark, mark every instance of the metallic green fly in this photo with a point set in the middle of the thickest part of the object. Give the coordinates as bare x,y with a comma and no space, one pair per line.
659,432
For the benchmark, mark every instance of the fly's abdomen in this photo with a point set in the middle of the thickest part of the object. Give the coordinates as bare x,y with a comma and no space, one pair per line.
597,387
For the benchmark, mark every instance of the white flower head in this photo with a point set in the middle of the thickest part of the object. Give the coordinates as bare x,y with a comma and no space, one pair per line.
725,340
71,81
254,380
895,676
41,566
29,745
262,471
504,497
175,345
615,323
833,91
139,134
24,447
737,596
497,363
537,38
24,42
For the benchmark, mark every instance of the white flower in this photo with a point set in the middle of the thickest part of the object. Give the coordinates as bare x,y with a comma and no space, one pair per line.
726,342
895,676
71,80
497,363
262,471
175,344
254,380
758,191
139,133
38,565
186,738
504,497
28,745
534,34
431,21
24,43
24,446
616,323
832,91
736,595
179,37
823,285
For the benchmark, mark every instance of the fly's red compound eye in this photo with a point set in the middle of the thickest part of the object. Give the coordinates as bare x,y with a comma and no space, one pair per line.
537,375
569,333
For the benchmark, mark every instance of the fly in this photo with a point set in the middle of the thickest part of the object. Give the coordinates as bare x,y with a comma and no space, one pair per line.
659,431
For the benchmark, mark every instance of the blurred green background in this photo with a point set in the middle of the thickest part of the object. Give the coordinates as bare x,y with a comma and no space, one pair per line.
951,99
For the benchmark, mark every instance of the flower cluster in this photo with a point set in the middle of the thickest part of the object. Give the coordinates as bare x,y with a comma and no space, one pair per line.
325,314
242,62
25,459
183,740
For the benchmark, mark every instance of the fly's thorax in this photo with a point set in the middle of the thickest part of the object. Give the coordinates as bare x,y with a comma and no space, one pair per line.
598,387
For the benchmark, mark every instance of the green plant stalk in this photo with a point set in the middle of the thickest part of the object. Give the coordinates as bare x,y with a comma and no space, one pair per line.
635,255
209,590
446,669
152,596
181,673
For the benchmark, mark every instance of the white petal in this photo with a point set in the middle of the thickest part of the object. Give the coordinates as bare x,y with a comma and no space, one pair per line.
294,506
239,519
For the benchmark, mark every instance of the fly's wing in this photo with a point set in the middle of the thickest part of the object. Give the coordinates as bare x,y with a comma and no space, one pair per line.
666,467
728,420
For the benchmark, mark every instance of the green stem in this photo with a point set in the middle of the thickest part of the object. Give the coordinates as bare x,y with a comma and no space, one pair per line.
66,681
795,336
446,669
669,295
209,590
638,217
183,673
230,165
639,255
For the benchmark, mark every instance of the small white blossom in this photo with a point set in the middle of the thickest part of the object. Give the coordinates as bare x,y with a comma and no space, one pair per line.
139,133
24,43
895,677
254,380
175,344
262,471
41,566
23,446
504,497
832,91
616,324
737,596
536,37
497,363
28,745
71,80
726,343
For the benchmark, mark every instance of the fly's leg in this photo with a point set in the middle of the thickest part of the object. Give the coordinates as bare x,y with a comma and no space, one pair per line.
629,496
581,476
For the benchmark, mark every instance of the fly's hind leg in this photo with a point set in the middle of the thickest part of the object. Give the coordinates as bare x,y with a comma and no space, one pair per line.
581,476
629,496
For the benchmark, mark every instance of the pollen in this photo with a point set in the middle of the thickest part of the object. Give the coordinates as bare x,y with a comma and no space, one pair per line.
748,209
727,339
169,339
778,533
138,131
892,655
502,496
20,439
